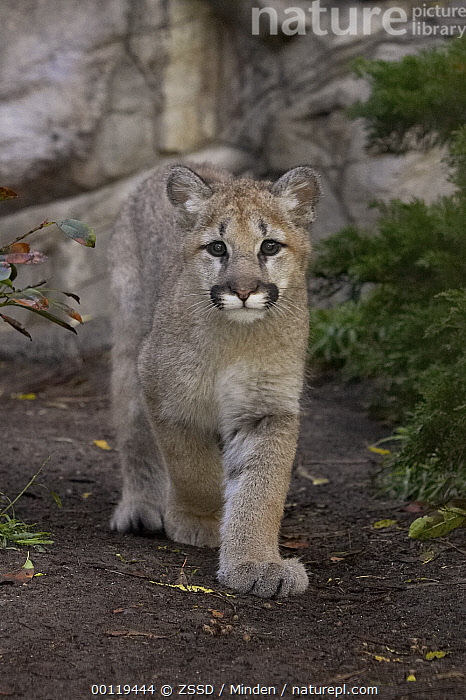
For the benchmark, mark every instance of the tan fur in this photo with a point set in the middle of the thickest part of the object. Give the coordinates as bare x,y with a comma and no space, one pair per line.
206,399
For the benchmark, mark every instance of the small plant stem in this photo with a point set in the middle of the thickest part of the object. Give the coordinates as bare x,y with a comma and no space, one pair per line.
31,481
20,238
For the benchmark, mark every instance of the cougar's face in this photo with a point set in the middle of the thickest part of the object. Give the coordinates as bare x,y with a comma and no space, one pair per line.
246,242
245,262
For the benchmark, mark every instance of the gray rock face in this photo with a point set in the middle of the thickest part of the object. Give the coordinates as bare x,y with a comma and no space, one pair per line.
93,94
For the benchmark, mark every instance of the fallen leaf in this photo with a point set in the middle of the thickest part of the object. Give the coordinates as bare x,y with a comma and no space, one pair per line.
23,575
319,481
86,494
436,655
339,556
216,613
437,525
415,507
411,677
7,193
388,661
383,523
192,589
24,397
316,480
103,444
449,674
428,556
378,450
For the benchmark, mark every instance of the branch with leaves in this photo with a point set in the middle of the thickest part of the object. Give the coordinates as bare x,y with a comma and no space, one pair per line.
31,297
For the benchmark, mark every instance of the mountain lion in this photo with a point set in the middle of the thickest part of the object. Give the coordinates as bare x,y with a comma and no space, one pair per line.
210,335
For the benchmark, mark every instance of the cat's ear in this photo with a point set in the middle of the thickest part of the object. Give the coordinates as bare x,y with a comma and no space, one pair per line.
299,190
186,191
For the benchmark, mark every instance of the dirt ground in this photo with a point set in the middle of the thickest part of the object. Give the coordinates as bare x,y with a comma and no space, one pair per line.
106,612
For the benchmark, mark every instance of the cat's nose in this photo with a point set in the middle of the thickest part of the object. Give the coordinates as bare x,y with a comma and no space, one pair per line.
242,290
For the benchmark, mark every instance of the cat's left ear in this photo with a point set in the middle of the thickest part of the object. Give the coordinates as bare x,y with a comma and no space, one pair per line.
299,191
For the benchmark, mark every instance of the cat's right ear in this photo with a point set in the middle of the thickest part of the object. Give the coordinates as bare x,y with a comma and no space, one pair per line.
187,191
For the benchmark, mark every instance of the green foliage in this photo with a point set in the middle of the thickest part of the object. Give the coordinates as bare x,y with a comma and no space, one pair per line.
419,249
408,331
14,532
421,97
31,297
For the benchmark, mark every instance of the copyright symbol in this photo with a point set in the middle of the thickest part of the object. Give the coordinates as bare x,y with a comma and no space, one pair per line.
166,690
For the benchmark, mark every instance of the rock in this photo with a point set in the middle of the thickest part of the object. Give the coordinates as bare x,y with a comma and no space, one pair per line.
83,270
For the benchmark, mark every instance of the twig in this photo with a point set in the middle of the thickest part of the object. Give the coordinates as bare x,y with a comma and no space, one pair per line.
454,546
37,228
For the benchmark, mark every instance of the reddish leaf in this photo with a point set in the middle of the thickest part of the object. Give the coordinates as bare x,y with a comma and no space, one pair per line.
30,298
20,576
7,193
54,319
16,325
19,248
66,310
415,507
33,258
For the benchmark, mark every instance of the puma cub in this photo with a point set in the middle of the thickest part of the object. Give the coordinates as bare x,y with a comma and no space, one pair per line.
210,335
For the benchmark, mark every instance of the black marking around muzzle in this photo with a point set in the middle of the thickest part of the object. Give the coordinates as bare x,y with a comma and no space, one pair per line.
272,294
216,292
216,295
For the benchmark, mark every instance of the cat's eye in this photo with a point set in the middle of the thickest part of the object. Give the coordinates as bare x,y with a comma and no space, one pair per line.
270,247
217,248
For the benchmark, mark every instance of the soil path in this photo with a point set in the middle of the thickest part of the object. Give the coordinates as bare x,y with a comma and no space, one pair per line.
106,611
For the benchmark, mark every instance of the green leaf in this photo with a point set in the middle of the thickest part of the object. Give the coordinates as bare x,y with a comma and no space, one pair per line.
78,231
380,524
56,498
436,525
28,563
66,310
54,319
5,271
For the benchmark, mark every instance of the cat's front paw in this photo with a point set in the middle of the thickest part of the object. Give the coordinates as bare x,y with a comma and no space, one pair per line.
190,529
137,516
266,579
